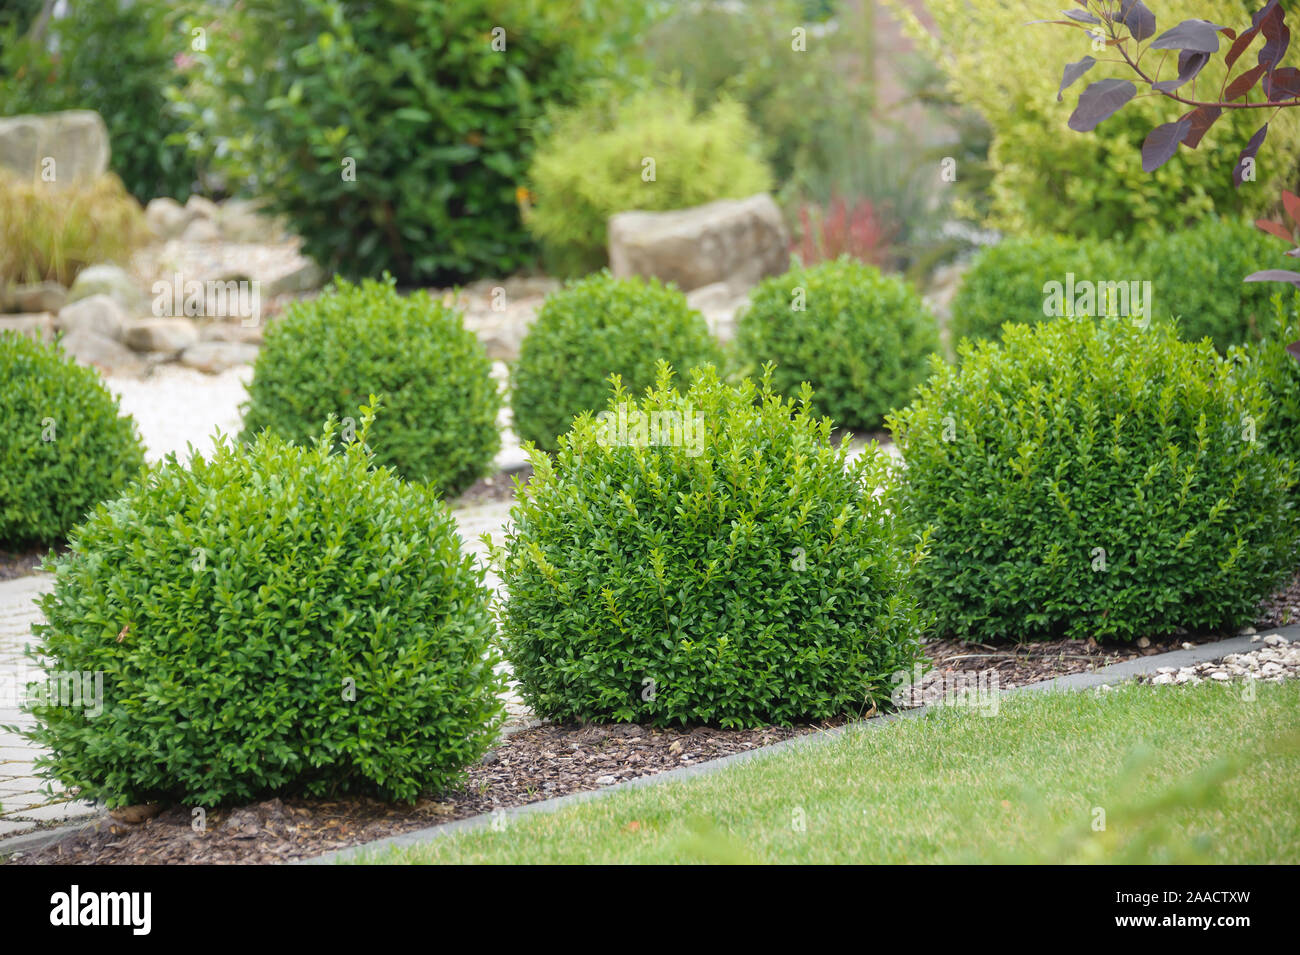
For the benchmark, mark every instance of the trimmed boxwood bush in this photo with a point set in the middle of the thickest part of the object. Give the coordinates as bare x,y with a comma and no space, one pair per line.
1196,277
1279,375
860,338
1094,479
593,328
270,619
63,445
325,355
1005,282
731,568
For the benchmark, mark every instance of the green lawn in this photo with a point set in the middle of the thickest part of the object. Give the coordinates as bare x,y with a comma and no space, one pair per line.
1183,774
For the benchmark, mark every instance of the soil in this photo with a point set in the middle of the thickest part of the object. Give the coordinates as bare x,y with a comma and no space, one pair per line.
529,765
20,563
1282,608
493,488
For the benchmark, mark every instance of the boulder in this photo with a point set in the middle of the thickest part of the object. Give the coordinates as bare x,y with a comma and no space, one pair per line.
166,217
170,335
720,305
76,139
40,297
98,314
737,241
39,326
303,276
241,220
201,208
214,357
110,280
201,230
96,351
230,332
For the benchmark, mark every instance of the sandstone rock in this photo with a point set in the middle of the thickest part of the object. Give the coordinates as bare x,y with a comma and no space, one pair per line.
98,314
76,140
39,326
241,220
738,241
201,230
202,208
110,280
166,217
230,332
40,297
214,357
170,335
304,276
96,351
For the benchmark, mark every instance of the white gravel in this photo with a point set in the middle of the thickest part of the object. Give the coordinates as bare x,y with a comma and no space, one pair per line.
1275,661
177,406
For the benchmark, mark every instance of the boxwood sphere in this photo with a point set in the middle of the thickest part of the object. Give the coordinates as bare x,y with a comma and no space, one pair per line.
1094,479
1005,281
63,445
1197,278
325,355
272,619
593,328
860,338
717,561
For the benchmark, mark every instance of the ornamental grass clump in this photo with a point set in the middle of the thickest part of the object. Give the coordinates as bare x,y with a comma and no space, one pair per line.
707,556
271,619
64,444
1091,478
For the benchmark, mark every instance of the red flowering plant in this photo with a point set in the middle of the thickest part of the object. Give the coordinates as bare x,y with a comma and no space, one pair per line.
837,229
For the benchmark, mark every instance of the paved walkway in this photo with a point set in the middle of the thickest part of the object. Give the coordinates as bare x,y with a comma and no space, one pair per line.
23,804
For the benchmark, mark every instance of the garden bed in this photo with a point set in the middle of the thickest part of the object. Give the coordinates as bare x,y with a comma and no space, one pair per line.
531,764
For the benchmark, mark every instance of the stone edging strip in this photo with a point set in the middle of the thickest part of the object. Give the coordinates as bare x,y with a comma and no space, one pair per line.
1116,672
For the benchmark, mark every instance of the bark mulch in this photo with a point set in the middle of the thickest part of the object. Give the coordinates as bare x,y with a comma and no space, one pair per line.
20,563
493,488
1281,609
529,765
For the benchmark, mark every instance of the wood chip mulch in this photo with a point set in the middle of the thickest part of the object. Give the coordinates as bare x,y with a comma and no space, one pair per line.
529,765
1281,609
21,563
493,488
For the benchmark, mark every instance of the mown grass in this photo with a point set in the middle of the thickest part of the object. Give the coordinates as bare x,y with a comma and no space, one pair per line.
1182,774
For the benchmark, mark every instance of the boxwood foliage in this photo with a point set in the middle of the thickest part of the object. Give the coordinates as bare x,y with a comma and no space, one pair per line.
325,355
860,338
63,445
1196,277
270,619
731,569
1094,479
593,328
1005,282
1279,375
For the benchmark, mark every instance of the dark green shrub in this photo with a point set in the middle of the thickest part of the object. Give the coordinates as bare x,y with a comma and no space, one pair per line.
1196,277
593,165
1279,375
63,446
117,57
396,135
594,328
1089,478
727,566
324,355
860,338
1006,281
273,619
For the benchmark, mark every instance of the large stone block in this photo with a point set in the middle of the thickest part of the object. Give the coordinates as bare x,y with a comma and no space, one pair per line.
737,241
76,140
